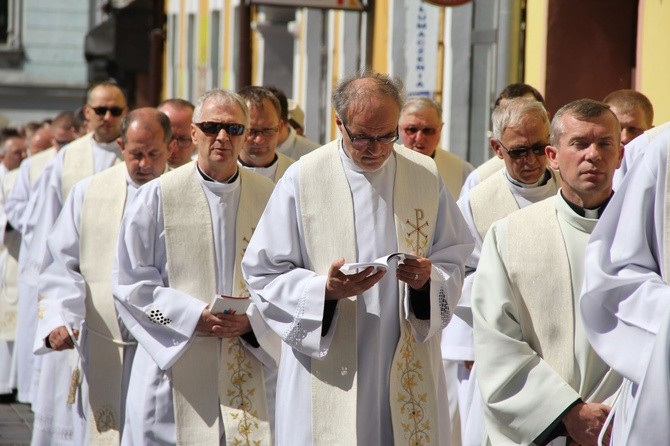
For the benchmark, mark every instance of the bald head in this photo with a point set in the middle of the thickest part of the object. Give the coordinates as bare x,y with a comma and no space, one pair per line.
40,140
145,137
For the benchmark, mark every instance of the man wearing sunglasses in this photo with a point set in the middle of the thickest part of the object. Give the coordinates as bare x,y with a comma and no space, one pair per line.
360,349
520,136
197,376
259,152
76,278
83,157
420,126
539,377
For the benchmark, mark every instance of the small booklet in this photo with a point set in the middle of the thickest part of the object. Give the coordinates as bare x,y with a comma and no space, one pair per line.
229,304
381,263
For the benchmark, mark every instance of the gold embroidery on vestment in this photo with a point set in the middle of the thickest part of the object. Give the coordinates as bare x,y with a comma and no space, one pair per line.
240,396
416,238
415,423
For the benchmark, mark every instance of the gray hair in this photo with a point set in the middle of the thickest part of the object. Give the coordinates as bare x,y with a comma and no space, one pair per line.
417,103
515,112
223,98
581,109
141,115
350,91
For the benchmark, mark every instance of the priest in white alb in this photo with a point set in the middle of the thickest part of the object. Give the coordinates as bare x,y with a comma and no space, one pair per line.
540,381
105,107
625,300
76,279
360,360
197,377
520,134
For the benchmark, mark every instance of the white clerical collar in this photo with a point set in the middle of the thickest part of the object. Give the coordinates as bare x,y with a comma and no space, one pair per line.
112,146
541,182
350,165
267,171
217,187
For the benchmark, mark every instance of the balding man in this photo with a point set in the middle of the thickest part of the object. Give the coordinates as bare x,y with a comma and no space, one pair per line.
180,112
540,379
420,126
14,151
197,377
259,152
40,140
83,157
364,370
76,278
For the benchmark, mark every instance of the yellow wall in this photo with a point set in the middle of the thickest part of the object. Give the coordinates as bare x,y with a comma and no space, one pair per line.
380,40
653,63
536,43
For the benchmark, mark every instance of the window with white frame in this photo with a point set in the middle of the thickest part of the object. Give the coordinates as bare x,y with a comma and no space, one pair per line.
10,20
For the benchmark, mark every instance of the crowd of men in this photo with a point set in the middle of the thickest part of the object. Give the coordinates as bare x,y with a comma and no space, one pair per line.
395,294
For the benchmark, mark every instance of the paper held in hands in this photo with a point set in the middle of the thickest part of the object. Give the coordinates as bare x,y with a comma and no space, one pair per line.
382,263
229,304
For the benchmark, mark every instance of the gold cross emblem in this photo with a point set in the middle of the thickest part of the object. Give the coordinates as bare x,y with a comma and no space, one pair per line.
416,238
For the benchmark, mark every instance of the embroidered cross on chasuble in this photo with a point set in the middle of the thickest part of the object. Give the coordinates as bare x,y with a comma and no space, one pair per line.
413,386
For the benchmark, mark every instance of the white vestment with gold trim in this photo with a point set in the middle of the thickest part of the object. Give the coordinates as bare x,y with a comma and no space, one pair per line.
290,294
63,283
163,318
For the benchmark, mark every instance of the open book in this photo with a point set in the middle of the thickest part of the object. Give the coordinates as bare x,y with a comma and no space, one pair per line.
229,304
382,263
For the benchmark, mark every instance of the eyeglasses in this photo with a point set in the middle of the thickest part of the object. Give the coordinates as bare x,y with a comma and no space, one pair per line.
102,111
428,131
522,152
268,132
363,141
213,128
183,141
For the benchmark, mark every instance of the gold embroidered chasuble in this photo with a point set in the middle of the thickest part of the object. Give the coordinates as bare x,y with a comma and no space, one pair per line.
106,192
213,374
330,234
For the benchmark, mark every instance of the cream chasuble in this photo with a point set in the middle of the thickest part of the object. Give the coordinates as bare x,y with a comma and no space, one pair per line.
491,201
77,163
38,162
240,394
452,169
329,234
533,358
100,231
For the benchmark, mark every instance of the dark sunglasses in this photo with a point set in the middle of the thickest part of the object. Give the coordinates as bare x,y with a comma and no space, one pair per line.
522,152
102,111
213,128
